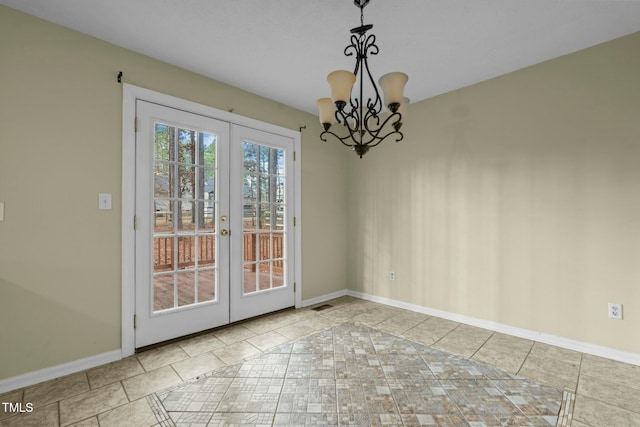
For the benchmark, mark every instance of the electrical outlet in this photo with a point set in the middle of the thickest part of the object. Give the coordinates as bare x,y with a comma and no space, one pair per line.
615,311
392,275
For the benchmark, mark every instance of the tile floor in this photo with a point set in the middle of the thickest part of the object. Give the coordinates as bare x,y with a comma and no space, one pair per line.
355,375
122,393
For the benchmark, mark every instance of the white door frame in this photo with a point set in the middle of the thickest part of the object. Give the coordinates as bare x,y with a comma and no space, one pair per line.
130,94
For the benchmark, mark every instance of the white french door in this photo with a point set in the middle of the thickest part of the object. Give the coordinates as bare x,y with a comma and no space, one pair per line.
213,221
262,223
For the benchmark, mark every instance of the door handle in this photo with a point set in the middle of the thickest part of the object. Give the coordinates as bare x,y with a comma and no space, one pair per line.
224,232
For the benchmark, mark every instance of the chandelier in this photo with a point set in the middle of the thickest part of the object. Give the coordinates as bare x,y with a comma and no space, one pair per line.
365,125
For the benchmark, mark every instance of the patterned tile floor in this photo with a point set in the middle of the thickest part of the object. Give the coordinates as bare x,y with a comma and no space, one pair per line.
598,392
358,376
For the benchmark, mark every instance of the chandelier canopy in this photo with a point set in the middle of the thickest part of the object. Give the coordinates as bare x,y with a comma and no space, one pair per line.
365,124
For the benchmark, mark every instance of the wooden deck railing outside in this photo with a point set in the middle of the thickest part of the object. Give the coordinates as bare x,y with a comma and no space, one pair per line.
254,243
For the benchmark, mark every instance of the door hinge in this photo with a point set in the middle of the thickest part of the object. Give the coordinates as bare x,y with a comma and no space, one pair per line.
135,222
295,286
135,124
294,156
294,221
135,321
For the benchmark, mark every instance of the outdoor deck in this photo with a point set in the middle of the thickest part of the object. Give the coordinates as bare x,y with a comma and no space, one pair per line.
200,251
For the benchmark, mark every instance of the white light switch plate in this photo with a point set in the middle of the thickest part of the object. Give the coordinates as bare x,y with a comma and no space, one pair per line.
104,201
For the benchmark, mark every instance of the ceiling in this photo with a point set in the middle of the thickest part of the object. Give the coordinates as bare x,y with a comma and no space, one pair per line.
283,49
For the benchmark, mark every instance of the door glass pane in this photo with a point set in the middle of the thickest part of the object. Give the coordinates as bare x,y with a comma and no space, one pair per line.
185,220
264,276
187,182
163,254
250,188
206,285
249,217
162,176
264,217
186,145
164,136
162,291
277,240
265,188
250,278
250,157
264,246
279,182
279,218
185,203
186,253
186,288
278,256
278,276
206,251
264,159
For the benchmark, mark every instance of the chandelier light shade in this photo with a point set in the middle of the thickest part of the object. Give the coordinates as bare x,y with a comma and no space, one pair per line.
392,85
327,111
365,124
341,82
404,104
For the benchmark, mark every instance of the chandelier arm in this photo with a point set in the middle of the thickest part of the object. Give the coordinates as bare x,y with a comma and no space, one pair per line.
370,44
374,133
380,139
371,115
357,131
341,139
343,119
370,133
377,140
374,140
355,104
394,118
354,48
371,48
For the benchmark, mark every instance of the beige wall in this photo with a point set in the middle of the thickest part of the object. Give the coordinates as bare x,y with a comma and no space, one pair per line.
516,200
60,145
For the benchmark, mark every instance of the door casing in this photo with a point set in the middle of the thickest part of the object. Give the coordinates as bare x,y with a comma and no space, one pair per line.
132,93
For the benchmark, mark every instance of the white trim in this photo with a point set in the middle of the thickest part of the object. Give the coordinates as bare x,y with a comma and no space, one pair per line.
324,298
52,372
297,229
130,94
583,347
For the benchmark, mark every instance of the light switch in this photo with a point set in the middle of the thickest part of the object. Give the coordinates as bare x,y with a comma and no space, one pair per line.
1,211
104,201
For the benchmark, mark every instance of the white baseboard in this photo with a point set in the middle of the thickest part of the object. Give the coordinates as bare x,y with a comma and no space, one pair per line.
46,374
583,347
68,368
324,298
